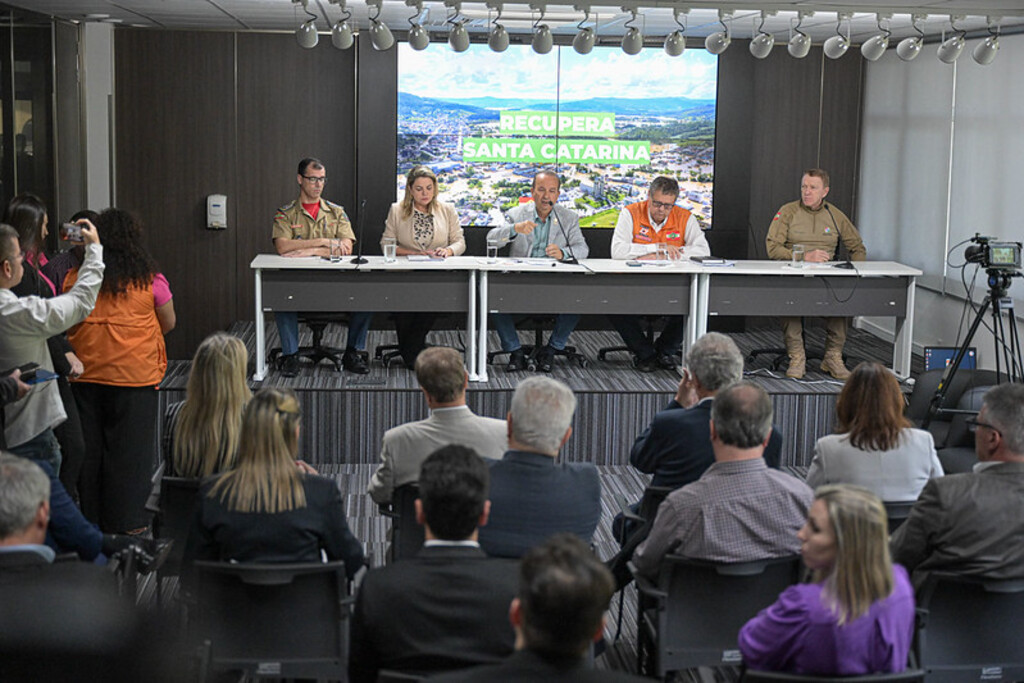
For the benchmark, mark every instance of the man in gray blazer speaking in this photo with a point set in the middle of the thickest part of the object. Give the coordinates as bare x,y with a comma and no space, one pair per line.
540,229
443,380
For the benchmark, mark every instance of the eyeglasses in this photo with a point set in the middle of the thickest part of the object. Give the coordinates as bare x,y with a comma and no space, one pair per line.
973,424
662,205
315,179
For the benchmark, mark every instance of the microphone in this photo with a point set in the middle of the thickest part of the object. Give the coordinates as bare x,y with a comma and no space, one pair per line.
358,260
847,264
572,260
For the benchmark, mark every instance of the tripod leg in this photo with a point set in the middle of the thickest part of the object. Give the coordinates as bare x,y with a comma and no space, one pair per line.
947,377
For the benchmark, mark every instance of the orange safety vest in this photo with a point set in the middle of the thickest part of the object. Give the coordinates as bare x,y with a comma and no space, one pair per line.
673,232
120,343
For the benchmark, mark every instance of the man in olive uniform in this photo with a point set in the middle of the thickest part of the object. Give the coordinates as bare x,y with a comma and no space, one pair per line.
313,226
818,226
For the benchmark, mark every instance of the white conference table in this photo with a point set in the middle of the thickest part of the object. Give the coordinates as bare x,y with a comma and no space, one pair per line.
471,285
313,284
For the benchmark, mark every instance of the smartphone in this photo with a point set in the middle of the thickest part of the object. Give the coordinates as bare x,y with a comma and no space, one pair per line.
71,232
38,376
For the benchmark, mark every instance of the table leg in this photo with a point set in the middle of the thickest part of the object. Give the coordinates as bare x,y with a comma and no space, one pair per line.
481,363
261,329
471,342
903,340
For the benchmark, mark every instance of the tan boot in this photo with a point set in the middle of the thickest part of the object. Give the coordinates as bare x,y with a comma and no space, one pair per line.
833,365
797,364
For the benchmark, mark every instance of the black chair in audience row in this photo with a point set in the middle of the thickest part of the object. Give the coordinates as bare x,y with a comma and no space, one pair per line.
406,533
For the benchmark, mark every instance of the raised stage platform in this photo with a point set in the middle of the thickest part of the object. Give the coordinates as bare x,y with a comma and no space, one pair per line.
344,415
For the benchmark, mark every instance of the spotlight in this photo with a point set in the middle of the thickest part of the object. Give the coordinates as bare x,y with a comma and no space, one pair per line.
909,48
837,45
950,49
718,42
418,37
875,46
341,34
799,42
307,35
675,42
542,40
986,50
497,40
633,40
583,43
761,46
380,34
458,37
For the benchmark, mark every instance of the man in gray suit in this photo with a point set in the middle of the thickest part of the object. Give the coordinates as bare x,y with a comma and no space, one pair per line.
973,523
540,229
443,380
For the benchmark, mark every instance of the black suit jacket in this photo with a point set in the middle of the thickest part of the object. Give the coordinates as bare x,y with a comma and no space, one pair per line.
533,497
676,447
528,667
444,609
220,534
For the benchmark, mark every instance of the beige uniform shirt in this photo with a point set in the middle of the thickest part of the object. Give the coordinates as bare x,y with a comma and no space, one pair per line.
796,224
294,222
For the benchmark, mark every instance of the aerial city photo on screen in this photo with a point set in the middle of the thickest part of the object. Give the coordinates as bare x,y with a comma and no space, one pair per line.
485,122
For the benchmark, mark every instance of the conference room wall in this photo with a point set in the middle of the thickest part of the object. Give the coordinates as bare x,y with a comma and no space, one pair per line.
199,113
942,160
218,112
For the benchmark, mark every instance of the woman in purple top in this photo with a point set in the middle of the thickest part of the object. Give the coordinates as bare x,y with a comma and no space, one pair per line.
858,615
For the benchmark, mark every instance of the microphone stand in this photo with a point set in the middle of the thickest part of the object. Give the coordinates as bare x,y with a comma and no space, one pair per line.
572,260
847,264
359,260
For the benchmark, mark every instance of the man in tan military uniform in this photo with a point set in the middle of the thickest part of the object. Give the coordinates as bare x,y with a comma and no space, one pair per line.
313,226
818,226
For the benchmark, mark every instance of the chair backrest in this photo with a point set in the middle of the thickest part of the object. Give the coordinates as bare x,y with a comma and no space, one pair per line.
282,620
707,604
908,676
970,629
177,503
927,382
406,534
652,498
897,512
959,434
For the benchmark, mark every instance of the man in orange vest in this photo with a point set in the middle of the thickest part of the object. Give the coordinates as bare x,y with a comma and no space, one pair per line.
639,231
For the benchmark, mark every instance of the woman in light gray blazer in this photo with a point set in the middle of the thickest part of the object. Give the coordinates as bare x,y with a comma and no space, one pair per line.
421,225
875,446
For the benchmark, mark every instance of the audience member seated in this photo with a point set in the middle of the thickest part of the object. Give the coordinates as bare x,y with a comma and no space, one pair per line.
443,380
271,507
676,447
739,510
446,608
201,433
857,617
559,611
973,523
876,447
532,496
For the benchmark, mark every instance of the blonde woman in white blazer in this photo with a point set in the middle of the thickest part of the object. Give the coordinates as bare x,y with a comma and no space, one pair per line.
421,225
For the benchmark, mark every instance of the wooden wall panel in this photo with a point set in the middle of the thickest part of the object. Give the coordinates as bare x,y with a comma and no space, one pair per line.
174,137
377,107
292,103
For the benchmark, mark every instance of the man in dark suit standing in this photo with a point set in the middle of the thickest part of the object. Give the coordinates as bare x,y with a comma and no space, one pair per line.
447,607
564,593
532,496
973,523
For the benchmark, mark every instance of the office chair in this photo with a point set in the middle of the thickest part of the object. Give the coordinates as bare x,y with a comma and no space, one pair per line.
407,534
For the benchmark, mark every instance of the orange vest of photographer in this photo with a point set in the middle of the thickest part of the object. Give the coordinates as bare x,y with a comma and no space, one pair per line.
673,232
120,343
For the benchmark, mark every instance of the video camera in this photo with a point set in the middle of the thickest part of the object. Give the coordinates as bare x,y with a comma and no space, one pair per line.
995,255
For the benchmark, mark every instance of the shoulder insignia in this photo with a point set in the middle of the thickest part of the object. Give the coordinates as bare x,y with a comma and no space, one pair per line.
777,216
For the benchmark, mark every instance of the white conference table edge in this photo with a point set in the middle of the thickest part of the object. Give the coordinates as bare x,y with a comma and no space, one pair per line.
699,296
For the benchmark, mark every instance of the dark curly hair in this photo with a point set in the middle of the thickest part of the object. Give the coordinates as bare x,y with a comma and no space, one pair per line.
127,261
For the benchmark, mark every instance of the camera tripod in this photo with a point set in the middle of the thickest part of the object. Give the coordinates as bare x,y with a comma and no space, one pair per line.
1005,339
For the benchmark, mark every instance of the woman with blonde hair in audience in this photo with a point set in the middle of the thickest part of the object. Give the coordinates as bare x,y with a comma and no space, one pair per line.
875,446
421,225
201,433
857,617
271,507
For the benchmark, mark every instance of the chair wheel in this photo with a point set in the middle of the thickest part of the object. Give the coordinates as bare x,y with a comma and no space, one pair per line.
602,355
531,366
584,363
